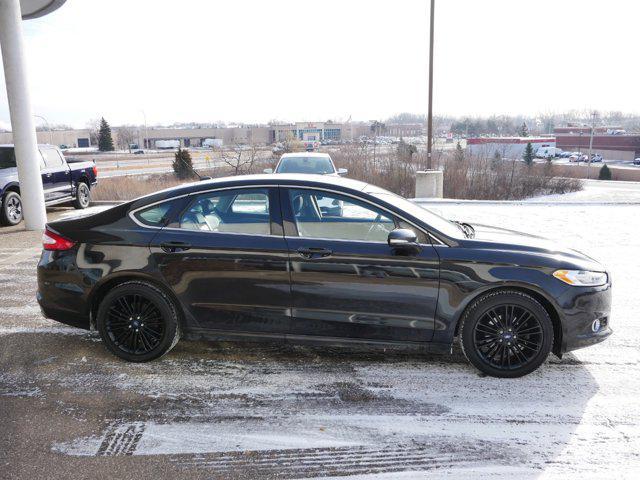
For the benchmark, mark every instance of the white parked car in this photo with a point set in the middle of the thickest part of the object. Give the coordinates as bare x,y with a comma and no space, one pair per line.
307,162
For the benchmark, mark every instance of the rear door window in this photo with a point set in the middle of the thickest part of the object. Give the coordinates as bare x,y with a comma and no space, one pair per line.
241,211
52,158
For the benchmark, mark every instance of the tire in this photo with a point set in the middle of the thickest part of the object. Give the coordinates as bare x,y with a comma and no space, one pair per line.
83,196
11,209
506,334
138,322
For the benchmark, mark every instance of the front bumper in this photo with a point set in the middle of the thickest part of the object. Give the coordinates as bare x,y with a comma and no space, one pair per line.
579,308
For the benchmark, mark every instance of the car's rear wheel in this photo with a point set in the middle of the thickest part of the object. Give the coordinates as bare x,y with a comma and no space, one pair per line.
11,211
138,321
506,333
83,196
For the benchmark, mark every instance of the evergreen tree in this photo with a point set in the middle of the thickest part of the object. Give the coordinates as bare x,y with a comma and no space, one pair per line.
528,154
105,141
524,130
605,173
459,153
182,164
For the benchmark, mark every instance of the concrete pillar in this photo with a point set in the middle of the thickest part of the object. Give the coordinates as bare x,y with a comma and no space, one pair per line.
429,184
22,120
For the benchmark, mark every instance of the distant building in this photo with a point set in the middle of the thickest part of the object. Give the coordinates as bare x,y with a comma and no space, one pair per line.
507,147
258,134
71,138
612,142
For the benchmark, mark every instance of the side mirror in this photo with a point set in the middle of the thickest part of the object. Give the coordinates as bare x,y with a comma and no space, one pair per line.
268,170
403,239
342,171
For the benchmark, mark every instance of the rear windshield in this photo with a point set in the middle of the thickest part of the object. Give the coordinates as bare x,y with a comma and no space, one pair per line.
303,164
7,157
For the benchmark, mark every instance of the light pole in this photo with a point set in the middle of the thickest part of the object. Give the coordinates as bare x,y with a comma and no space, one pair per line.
593,123
22,121
48,128
146,132
430,109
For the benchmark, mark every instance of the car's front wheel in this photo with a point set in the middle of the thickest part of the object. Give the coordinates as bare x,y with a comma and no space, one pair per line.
138,321
506,333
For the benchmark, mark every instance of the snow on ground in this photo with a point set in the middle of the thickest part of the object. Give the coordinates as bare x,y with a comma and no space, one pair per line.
238,411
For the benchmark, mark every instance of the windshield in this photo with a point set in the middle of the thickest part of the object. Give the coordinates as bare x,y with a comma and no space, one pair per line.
7,158
428,217
304,164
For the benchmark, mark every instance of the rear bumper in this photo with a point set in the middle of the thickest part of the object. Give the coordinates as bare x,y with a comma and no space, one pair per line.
580,308
61,293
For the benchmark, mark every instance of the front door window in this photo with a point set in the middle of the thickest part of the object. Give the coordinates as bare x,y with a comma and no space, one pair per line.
320,214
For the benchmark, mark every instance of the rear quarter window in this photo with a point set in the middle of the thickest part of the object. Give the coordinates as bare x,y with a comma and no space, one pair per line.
155,215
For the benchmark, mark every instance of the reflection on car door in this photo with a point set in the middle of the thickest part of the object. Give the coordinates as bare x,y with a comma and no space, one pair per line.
345,279
225,258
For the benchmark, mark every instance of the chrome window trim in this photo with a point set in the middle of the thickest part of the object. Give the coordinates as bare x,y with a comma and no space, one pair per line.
294,186
140,224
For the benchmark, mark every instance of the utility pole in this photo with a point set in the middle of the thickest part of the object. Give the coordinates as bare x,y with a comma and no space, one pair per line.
593,123
430,110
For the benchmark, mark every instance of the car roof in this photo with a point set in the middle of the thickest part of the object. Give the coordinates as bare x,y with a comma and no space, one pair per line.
300,179
306,154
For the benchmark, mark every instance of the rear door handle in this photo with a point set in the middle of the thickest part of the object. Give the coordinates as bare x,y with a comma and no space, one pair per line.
314,252
175,247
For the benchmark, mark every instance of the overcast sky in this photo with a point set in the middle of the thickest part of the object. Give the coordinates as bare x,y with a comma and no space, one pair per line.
256,60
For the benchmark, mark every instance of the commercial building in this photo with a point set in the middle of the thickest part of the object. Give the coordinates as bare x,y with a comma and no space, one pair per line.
506,147
72,138
612,142
243,134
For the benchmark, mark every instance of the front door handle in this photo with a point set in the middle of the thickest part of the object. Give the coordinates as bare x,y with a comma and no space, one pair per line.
175,247
314,252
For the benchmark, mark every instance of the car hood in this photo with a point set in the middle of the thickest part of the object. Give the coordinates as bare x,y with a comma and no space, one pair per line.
495,238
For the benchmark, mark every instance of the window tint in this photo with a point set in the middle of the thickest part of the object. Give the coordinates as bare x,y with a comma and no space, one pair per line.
228,211
328,215
51,157
305,164
7,158
155,216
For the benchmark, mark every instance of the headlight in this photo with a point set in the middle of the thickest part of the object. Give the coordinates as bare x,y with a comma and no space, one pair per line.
581,278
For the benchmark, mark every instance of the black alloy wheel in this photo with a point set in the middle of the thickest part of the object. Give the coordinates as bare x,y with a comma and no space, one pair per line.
508,336
506,333
135,324
138,322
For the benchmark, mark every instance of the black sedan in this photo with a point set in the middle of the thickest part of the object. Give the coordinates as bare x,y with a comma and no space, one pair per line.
303,258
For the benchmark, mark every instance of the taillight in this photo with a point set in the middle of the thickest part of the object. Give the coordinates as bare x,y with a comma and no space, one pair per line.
55,241
95,170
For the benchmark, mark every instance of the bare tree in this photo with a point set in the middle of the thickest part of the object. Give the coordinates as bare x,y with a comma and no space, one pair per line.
93,125
127,134
241,158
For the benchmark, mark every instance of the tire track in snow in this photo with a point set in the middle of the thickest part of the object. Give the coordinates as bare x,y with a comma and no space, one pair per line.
121,439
